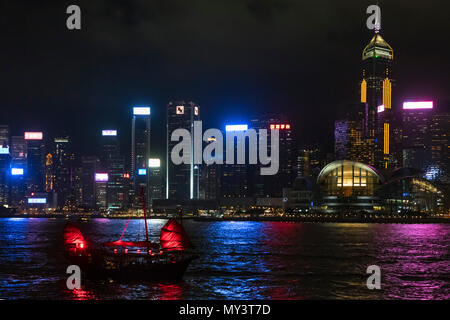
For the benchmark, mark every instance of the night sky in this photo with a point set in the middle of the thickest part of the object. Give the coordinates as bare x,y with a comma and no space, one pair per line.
235,58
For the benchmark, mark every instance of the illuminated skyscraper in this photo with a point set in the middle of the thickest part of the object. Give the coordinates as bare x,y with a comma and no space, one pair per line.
416,134
89,166
156,179
376,92
426,127
18,151
5,167
5,164
272,186
182,181
4,136
140,152
114,165
350,142
62,159
440,147
35,162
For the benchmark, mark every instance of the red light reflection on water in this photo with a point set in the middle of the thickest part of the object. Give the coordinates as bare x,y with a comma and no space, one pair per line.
81,294
170,291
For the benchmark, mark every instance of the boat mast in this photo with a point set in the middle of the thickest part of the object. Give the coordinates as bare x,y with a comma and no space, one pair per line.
145,214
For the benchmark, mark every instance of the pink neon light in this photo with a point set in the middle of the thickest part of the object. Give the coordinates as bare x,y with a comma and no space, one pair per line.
101,177
417,105
33,135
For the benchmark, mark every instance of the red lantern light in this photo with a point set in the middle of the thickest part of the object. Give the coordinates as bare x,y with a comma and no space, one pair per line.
126,250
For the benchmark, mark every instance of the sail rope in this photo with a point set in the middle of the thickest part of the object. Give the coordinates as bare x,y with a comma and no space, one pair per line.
123,232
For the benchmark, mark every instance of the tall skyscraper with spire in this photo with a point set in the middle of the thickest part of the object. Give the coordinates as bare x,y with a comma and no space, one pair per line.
376,94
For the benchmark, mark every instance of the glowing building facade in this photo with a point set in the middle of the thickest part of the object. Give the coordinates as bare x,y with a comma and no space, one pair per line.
348,186
140,152
114,164
35,161
63,170
350,140
272,186
376,91
182,181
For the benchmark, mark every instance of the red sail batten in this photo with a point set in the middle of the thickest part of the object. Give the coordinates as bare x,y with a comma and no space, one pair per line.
173,237
72,236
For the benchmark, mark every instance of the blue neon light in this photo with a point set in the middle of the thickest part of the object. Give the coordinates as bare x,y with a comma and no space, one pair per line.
236,127
17,171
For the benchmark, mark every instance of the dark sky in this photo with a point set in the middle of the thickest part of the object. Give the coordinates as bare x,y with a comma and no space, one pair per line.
235,58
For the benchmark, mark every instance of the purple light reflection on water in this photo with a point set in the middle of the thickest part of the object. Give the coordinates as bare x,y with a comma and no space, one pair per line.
243,260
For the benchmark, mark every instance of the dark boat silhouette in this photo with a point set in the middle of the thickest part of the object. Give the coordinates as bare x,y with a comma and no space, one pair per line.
131,260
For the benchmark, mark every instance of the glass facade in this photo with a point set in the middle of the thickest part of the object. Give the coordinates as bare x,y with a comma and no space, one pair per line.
349,178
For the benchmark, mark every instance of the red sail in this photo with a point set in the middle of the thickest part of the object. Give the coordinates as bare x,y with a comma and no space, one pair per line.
173,237
73,236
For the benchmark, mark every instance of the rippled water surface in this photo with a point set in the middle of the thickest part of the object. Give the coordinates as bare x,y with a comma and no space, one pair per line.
243,260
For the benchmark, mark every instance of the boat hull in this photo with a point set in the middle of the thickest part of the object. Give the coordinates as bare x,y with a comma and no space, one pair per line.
120,268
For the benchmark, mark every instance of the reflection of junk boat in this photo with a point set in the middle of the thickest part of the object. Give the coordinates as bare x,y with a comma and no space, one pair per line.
131,260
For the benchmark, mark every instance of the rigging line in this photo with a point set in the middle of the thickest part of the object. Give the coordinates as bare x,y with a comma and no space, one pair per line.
123,232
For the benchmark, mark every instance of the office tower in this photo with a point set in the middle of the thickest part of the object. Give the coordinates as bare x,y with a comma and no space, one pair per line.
272,185
156,179
5,167
101,186
303,163
114,165
75,198
5,164
49,173
350,142
140,152
35,162
211,181
439,168
376,92
416,134
182,181
4,136
89,166
18,151
63,170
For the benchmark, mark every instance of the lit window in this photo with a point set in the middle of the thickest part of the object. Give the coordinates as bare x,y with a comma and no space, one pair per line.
180,109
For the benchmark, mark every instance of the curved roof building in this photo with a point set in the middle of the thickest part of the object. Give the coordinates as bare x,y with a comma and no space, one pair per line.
348,186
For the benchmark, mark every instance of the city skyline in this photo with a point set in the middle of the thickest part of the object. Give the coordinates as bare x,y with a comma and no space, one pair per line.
372,128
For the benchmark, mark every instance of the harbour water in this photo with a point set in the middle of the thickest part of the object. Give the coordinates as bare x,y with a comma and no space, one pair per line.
242,260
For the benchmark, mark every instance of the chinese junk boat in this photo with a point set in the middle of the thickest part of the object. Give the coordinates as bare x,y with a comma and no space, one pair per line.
131,260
